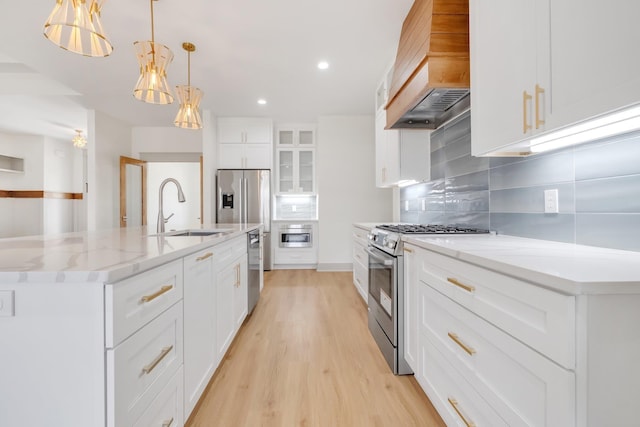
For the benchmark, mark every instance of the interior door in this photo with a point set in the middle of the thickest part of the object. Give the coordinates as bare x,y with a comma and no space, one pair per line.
133,190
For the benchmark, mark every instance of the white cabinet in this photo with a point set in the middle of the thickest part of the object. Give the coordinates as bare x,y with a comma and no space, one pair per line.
491,349
402,155
537,68
231,292
245,143
361,262
200,354
295,159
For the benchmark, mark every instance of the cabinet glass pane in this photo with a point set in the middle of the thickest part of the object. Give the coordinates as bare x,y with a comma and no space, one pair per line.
305,170
285,137
285,170
306,137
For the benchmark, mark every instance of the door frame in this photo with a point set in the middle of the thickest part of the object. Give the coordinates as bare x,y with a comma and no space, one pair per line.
124,161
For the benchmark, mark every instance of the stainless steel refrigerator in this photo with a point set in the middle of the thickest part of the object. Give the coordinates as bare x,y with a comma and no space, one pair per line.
244,196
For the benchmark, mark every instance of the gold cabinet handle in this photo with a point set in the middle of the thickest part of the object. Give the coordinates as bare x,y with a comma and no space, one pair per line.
470,351
539,121
205,256
167,423
409,250
467,288
454,404
237,268
525,98
151,366
163,290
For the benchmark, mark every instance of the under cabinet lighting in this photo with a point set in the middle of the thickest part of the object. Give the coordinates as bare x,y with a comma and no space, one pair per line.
406,183
618,122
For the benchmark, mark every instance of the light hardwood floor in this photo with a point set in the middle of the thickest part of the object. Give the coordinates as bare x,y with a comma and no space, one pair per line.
305,358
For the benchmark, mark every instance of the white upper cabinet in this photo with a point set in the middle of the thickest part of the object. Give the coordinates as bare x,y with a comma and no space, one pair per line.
245,143
387,152
295,159
538,66
509,71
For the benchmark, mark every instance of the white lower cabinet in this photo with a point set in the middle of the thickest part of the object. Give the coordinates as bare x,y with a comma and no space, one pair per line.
360,262
200,354
166,410
487,348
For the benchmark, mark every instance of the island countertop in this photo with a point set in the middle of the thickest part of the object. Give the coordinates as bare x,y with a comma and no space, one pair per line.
101,256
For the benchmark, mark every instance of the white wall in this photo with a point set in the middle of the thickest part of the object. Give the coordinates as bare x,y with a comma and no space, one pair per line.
107,140
346,186
168,139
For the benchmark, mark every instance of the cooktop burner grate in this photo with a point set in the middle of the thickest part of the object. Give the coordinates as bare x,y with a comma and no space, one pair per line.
430,229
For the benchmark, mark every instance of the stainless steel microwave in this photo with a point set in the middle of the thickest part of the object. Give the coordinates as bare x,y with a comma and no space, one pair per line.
296,236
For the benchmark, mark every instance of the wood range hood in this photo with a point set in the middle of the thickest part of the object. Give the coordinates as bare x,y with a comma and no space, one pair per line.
431,78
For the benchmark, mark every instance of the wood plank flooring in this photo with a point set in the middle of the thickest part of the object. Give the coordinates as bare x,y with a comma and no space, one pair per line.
305,358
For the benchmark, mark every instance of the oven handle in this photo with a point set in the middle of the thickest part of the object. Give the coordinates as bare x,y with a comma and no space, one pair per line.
385,261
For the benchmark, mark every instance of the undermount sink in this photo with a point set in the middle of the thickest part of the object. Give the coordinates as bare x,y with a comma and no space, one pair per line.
194,232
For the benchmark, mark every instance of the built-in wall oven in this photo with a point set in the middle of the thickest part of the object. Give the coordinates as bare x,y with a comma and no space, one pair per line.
386,290
296,236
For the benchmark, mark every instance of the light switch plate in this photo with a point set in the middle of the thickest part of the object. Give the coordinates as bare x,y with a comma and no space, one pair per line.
6,304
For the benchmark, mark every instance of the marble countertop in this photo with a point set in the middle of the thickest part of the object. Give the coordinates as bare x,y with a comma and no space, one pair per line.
368,225
568,268
100,256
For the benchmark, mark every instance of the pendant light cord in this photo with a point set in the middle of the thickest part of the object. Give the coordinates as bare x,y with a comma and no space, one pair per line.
153,42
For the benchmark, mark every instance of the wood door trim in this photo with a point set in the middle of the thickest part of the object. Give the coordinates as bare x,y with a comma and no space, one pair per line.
39,194
124,161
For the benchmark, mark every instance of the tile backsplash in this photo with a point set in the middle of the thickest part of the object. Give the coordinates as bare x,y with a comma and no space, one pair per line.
598,186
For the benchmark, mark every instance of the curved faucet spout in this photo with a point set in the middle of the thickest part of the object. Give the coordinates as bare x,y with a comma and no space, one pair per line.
161,219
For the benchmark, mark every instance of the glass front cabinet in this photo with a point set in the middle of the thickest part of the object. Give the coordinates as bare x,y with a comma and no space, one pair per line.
295,160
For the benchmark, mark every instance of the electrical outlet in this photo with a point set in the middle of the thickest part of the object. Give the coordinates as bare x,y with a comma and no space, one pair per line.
6,304
551,201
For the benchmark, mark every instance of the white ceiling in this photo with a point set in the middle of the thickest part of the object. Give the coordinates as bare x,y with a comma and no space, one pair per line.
246,49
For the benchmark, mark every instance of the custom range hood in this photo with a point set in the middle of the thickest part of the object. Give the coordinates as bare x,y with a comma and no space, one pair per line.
431,77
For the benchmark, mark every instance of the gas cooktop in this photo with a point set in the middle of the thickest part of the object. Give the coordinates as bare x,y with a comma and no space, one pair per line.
430,229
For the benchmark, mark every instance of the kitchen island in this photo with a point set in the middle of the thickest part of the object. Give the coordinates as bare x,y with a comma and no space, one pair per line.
116,327
513,331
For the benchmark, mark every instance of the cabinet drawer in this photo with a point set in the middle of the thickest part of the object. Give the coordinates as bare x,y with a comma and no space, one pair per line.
225,253
456,401
523,387
134,302
166,410
295,256
140,367
360,254
543,319
360,236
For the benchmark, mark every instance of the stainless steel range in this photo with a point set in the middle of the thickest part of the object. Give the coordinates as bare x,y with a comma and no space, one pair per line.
386,276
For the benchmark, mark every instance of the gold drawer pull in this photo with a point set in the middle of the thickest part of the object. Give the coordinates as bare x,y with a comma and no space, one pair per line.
408,250
151,366
167,423
467,288
163,290
205,256
454,404
525,98
539,121
465,347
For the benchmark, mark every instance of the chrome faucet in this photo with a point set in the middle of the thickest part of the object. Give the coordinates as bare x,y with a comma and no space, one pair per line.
161,219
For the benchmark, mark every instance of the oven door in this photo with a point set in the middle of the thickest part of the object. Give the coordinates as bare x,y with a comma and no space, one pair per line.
383,282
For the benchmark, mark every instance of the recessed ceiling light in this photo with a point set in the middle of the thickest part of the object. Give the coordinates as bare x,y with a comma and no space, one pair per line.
323,65
262,101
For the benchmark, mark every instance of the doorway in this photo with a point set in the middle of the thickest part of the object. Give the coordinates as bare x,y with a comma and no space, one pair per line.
133,191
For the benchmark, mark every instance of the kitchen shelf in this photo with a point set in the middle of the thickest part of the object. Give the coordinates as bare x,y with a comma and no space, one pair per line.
11,164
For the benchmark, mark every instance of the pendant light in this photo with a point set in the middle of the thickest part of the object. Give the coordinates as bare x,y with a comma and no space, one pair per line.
188,116
154,58
77,28
79,141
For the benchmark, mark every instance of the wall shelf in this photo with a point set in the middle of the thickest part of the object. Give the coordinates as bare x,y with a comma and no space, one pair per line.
11,164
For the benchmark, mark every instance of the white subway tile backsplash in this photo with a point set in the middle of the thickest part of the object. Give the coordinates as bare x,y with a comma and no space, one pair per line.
619,194
620,231
531,199
536,171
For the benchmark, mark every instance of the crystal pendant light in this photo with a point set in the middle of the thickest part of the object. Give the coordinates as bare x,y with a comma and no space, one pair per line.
154,58
77,28
188,116
79,141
